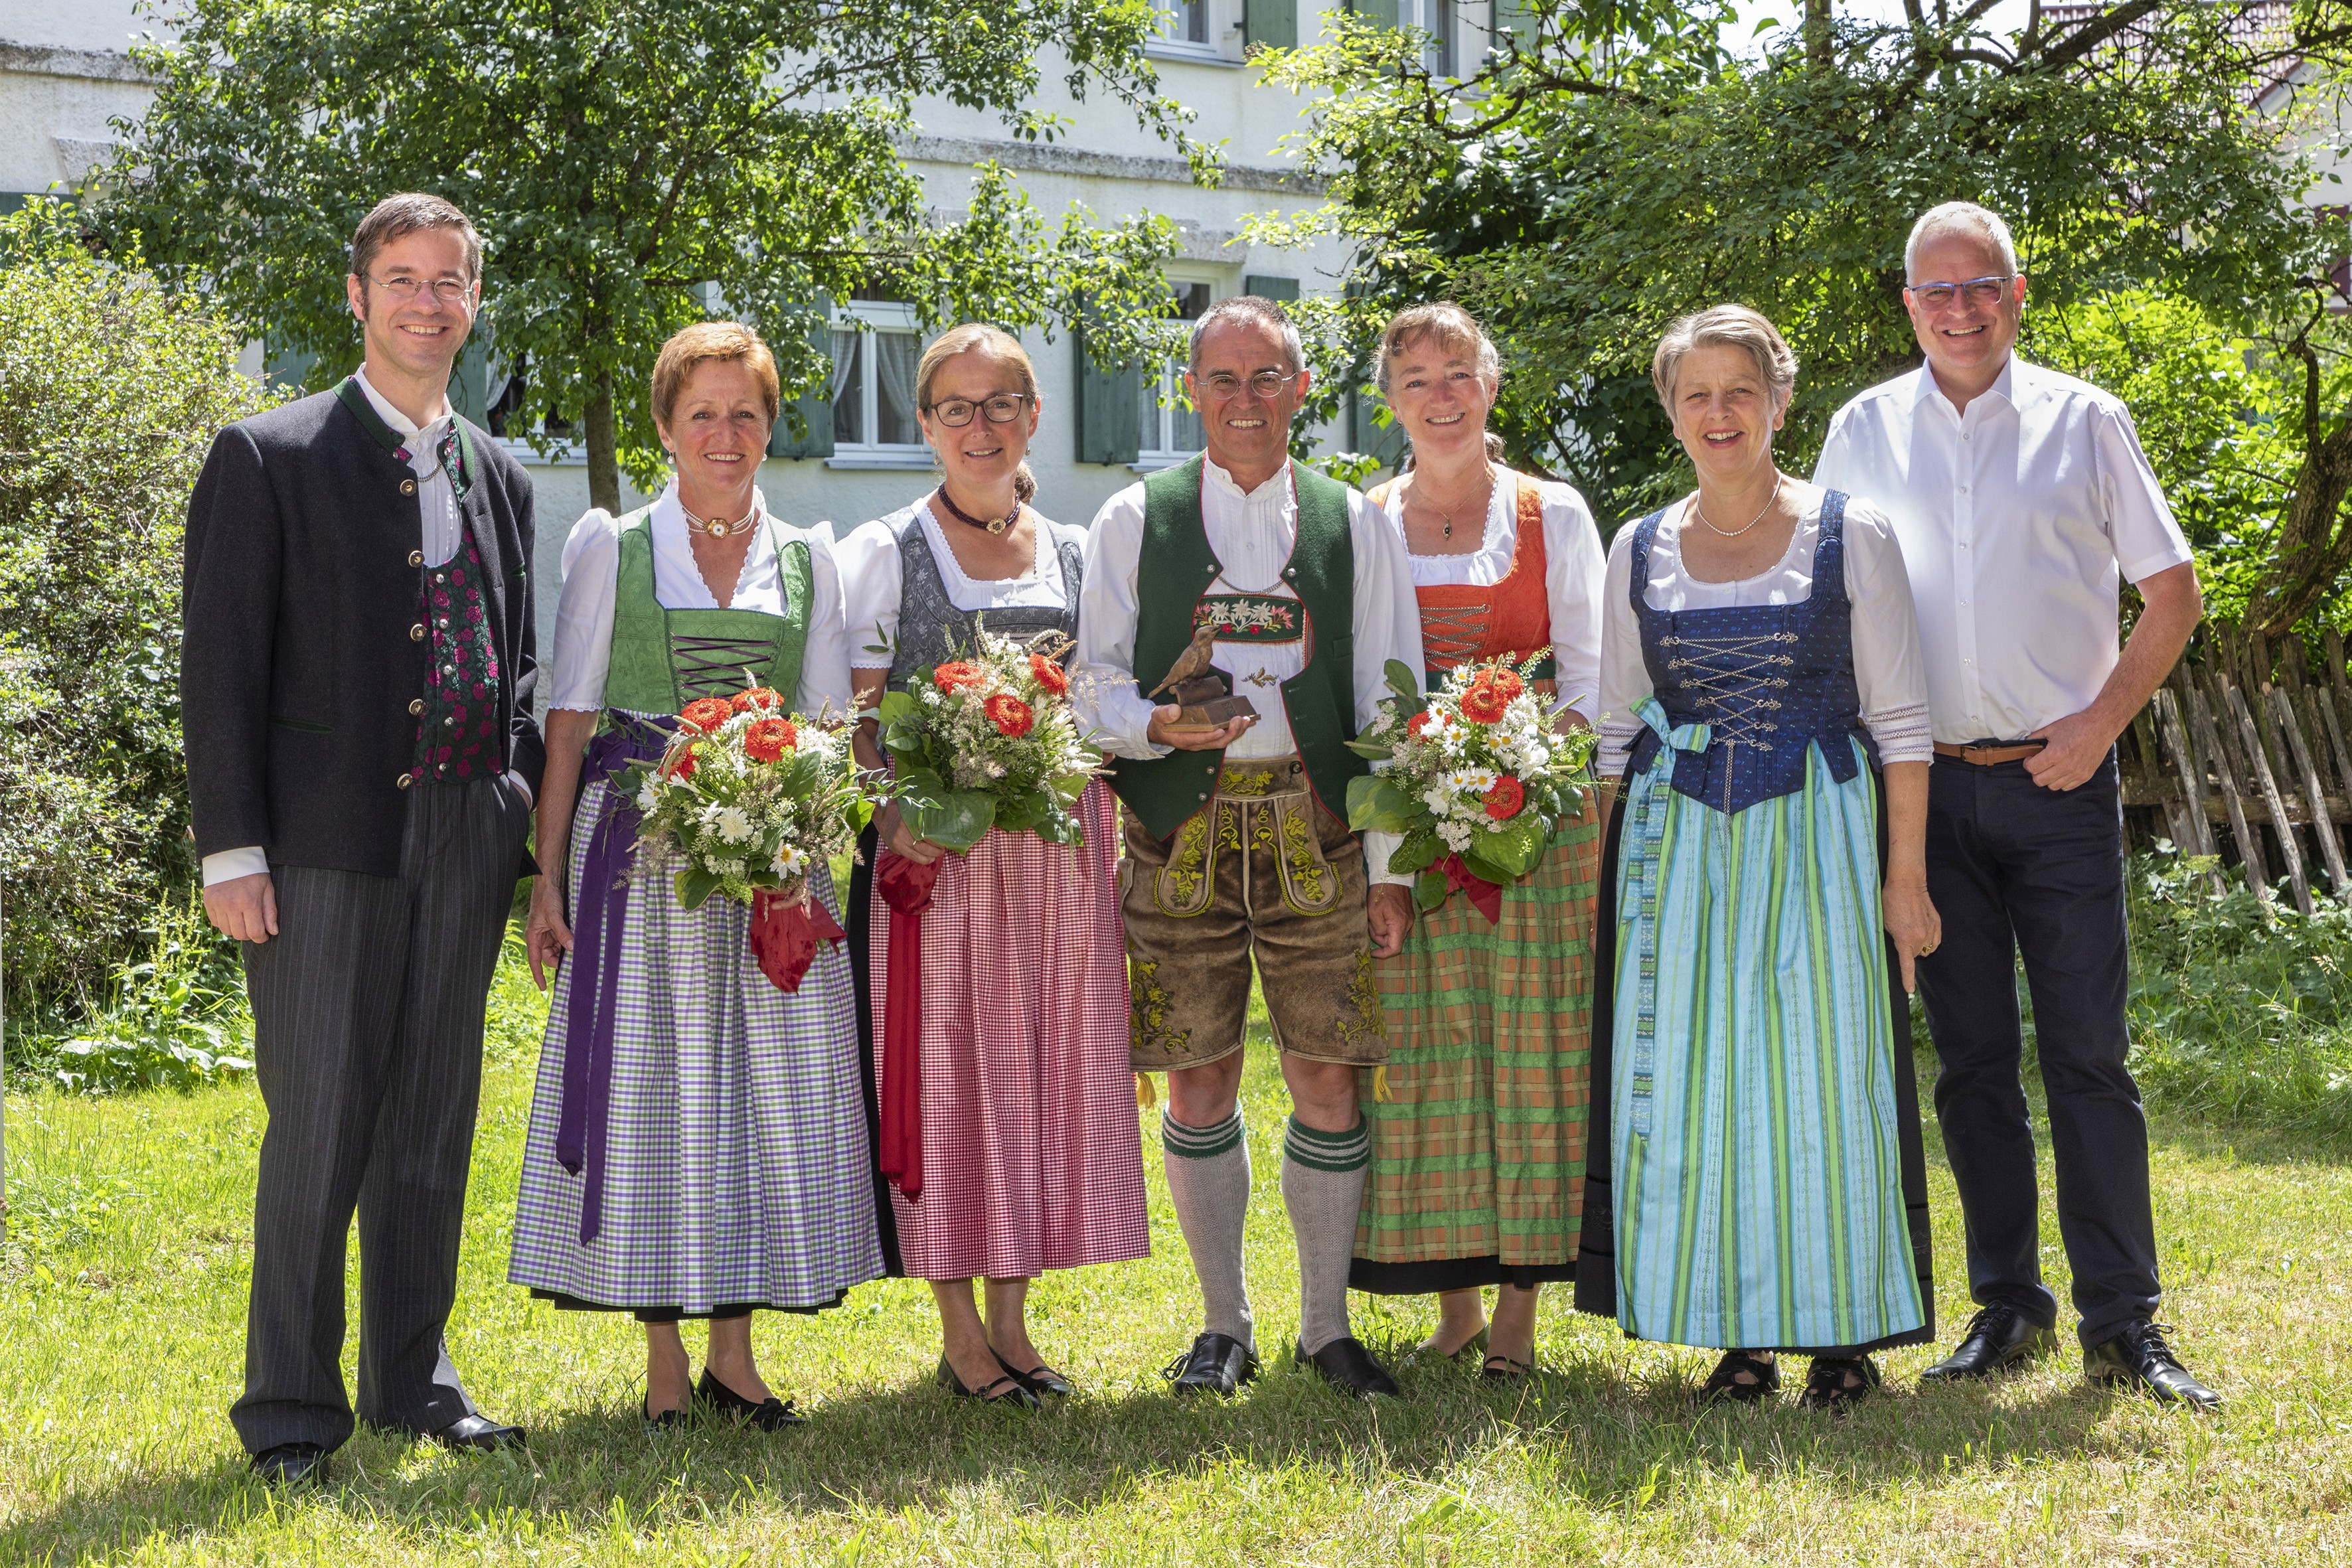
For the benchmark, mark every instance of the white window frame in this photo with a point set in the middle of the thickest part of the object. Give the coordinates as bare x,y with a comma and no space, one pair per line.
1211,51
1452,28
869,318
1151,459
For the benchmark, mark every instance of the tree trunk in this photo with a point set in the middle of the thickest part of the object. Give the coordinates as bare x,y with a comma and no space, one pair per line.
2313,547
1818,36
603,448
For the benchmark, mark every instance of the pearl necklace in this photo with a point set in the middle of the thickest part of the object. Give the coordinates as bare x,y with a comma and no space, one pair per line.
1735,532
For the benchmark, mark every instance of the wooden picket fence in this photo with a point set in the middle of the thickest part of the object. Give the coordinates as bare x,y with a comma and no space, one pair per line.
2244,736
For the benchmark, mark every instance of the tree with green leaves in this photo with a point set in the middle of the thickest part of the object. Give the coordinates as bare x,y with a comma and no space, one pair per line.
1614,163
633,165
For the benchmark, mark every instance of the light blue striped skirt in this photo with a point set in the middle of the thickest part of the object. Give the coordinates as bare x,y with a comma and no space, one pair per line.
1758,1182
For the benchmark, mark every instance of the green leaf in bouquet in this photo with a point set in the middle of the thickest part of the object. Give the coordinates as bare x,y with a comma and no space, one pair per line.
1508,856
1375,803
1406,682
953,819
1376,750
1023,811
1068,787
897,705
696,885
1420,850
1429,890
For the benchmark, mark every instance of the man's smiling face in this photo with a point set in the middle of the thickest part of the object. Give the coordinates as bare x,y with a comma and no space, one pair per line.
1965,340
424,332
1247,432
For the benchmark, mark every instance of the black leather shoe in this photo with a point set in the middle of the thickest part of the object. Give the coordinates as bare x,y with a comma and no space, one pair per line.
2139,1358
1040,1380
1724,1384
292,1465
1838,1383
1217,1363
656,1425
769,1415
1348,1366
478,1432
1006,1390
1999,1338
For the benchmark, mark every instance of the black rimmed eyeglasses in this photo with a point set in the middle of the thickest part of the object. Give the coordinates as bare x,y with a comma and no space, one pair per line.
1976,291
955,413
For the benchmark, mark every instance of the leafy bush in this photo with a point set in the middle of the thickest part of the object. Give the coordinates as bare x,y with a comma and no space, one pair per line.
2234,1014
175,1019
110,394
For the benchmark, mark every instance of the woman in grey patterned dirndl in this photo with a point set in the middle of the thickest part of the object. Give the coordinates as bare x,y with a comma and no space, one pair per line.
996,994
697,1145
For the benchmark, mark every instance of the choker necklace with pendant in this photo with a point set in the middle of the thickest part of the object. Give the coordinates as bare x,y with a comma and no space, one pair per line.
719,527
992,524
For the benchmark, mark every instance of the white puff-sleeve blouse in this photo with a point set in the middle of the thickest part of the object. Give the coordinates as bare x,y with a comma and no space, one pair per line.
592,566
1888,670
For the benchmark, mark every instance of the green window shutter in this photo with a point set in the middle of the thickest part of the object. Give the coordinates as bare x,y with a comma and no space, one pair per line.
1283,289
804,427
469,382
1366,434
1110,408
1379,13
1270,22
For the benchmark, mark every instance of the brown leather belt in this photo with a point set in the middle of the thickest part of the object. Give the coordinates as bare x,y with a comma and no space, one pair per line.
1986,756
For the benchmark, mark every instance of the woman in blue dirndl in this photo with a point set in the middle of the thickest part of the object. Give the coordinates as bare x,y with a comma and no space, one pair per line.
1760,1185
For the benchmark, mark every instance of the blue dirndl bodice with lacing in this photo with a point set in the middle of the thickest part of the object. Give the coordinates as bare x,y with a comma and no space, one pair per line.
1769,681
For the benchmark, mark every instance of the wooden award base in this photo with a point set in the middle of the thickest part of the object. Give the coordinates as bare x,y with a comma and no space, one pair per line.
1205,705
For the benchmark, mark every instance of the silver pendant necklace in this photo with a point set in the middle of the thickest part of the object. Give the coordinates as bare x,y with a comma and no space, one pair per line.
1735,532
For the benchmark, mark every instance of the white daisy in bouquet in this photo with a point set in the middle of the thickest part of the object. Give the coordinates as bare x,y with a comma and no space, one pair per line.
747,798
989,741
1476,770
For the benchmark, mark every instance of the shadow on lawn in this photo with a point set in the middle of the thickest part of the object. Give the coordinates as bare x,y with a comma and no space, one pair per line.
1622,1445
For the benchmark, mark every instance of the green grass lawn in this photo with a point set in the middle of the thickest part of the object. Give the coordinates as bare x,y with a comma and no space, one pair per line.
122,1291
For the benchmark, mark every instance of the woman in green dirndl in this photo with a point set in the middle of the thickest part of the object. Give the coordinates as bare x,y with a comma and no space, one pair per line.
1478,1121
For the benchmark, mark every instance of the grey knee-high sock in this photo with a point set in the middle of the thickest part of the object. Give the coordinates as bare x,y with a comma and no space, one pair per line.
1208,1180
1323,1188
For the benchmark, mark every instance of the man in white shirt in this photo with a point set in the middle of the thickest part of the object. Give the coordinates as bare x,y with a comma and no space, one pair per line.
1237,851
2021,500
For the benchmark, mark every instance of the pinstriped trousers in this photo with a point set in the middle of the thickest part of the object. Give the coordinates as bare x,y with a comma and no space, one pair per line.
368,1008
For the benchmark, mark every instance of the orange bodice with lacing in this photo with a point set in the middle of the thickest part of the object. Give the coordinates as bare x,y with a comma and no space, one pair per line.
1461,622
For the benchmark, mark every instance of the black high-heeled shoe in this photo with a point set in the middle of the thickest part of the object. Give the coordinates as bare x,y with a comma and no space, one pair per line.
1006,1390
1040,1380
771,1414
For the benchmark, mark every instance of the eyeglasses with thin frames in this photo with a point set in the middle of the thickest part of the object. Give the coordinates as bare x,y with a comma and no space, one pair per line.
1222,385
445,290
955,413
1975,291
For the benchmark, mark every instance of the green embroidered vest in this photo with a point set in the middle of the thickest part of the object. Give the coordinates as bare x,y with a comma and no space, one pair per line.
664,659
1175,570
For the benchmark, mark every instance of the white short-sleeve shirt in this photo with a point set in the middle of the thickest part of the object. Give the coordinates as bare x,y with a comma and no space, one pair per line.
2019,520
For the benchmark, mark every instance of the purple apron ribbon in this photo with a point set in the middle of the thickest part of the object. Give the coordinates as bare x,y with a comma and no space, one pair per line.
600,906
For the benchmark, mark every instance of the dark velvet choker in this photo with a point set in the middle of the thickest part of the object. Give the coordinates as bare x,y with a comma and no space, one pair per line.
992,524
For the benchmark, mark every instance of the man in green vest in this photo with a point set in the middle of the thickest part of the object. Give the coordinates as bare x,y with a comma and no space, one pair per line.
1237,845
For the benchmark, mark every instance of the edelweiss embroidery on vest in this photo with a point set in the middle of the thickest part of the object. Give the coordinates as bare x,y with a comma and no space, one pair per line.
1250,617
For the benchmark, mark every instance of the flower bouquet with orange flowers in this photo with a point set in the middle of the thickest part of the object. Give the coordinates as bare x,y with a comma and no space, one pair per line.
1478,777
749,797
989,741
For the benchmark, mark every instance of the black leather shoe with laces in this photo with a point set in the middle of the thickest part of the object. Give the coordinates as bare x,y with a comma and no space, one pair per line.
478,1432
1348,1367
1217,1363
1999,1338
292,1465
2138,1357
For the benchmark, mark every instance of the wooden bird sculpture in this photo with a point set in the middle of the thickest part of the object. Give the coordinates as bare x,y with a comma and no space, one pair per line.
1193,662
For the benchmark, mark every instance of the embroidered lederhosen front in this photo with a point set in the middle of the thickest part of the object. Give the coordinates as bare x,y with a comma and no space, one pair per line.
1260,809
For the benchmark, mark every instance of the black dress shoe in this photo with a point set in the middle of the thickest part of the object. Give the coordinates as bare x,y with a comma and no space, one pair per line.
1041,1379
292,1465
769,1415
1006,1390
1999,1338
1739,1378
1217,1363
2140,1357
1348,1366
478,1432
1838,1383
658,1423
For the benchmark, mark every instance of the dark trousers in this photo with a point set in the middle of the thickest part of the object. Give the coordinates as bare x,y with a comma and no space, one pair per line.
368,1010
2014,867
